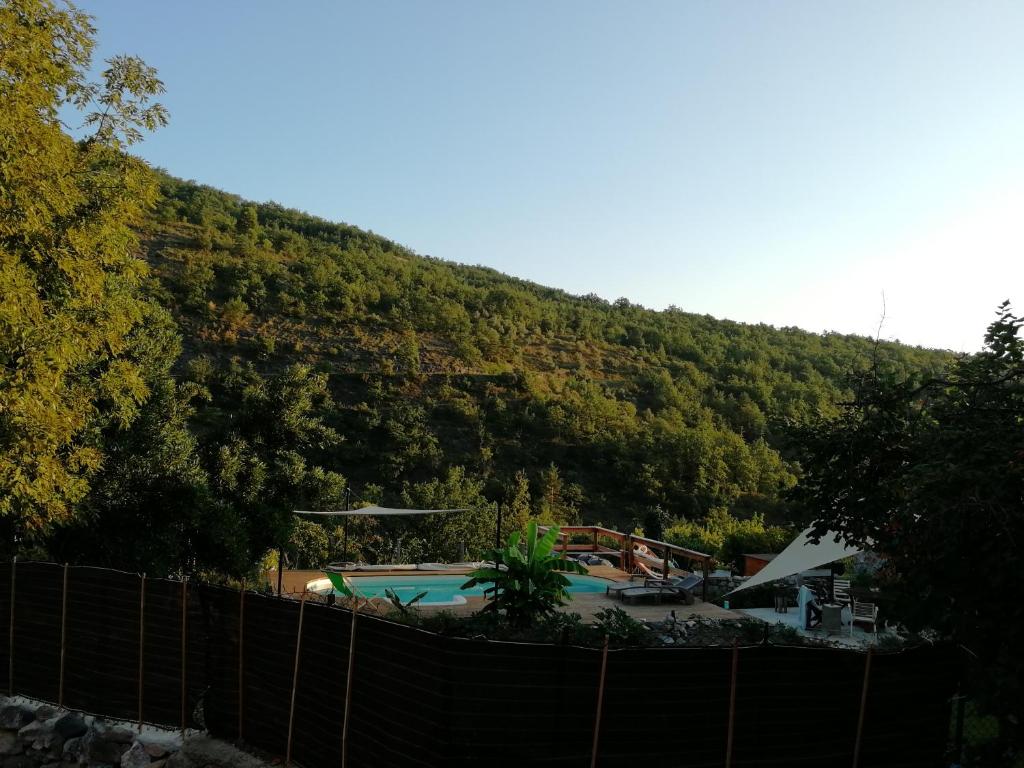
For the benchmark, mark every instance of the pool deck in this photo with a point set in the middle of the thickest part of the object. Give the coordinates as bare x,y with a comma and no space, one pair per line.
587,604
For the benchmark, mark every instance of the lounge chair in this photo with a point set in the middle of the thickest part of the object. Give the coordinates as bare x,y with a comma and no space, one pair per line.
681,588
636,594
616,588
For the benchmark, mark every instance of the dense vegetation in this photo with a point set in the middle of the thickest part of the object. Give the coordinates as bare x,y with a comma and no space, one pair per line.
930,472
170,417
572,408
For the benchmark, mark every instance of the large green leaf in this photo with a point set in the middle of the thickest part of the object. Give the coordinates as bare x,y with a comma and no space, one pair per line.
338,582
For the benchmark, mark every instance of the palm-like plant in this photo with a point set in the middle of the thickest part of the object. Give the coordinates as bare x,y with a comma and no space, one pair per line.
526,584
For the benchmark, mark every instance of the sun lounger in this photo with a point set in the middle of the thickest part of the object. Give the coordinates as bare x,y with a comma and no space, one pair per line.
636,594
616,588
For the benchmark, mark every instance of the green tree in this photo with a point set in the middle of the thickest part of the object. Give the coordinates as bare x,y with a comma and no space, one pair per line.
68,275
929,473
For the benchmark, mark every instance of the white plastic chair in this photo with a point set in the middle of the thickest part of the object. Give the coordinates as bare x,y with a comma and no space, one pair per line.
864,612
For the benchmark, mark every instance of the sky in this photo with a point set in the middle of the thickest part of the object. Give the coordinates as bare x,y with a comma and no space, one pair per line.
794,163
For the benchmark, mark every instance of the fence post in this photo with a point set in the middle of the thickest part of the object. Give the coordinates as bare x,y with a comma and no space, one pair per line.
348,688
63,636
10,654
241,659
295,680
863,708
600,702
958,732
142,639
184,653
730,732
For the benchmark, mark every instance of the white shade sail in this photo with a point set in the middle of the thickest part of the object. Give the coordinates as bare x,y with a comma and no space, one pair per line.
376,512
802,555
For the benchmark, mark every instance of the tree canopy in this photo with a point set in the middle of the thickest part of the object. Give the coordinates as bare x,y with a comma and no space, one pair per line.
929,472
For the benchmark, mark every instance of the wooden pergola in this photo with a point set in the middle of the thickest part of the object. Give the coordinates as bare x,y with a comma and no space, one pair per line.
624,551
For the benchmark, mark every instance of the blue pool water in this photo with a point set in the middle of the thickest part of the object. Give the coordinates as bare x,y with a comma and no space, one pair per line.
444,589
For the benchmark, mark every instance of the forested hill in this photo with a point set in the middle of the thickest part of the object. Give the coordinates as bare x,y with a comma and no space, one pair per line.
609,409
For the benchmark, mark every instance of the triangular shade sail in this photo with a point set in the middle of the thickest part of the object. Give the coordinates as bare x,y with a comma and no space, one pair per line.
377,512
802,555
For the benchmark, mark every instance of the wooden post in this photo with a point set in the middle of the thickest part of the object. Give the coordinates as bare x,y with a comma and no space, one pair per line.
732,706
704,584
863,708
142,640
348,688
63,636
241,659
10,655
184,653
665,569
295,680
595,540
600,702
280,570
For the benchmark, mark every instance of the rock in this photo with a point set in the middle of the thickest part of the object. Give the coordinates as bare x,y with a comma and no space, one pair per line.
16,716
116,734
101,751
72,748
156,751
51,742
10,744
33,731
135,757
667,640
158,764
206,751
45,712
70,726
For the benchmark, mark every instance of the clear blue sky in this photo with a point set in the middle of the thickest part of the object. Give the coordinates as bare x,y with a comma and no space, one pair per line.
779,162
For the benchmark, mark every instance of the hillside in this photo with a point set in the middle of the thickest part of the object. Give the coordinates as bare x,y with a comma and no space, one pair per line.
610,409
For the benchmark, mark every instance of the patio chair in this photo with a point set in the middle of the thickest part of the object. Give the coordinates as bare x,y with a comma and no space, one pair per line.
841,591
863,612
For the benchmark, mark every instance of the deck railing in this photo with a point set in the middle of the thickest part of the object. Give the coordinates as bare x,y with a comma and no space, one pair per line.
626,551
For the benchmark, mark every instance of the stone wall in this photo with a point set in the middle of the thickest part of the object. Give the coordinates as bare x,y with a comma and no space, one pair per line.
35,735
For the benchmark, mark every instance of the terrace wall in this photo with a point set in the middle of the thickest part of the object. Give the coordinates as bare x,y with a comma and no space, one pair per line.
185,654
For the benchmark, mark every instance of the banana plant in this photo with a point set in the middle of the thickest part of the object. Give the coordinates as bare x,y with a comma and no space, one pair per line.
526,584
403,607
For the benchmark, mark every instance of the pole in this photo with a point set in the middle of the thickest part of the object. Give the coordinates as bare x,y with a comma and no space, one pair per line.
142,639
10,647
665,569
280,569
184,652
348,688
863,708
295,681
241,658
600,703
704,584
344,526
732,705
63,636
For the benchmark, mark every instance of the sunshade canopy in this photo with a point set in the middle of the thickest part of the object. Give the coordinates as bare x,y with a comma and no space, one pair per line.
376,512
802,555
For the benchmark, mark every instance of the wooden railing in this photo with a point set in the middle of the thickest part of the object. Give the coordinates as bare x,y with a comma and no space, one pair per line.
625,552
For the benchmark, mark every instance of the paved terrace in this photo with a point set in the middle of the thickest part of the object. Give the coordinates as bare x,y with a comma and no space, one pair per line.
585,604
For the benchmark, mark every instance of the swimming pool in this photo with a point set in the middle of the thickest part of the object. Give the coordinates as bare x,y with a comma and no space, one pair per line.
444,589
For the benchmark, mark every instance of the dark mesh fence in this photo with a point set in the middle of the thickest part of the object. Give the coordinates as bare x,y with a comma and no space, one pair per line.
419,699
37,619
102,642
